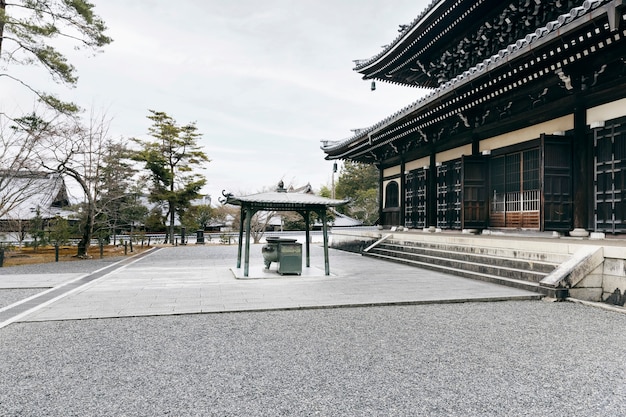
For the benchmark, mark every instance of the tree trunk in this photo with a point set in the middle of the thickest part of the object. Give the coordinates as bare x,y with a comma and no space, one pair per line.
171,228
3,12
85,240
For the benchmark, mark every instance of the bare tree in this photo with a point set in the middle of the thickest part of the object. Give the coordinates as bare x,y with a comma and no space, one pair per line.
258,224
78,152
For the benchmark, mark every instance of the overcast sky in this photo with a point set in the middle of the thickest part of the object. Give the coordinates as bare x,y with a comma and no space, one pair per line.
265,82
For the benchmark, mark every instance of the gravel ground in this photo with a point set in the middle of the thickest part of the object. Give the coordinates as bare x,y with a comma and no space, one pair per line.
82,266
8,297
530,358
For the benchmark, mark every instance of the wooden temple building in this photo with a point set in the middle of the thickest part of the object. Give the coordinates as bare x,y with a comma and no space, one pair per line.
524,125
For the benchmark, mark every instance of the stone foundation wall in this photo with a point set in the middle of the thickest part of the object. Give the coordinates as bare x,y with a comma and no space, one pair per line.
353,242
614,281
606,283
589,288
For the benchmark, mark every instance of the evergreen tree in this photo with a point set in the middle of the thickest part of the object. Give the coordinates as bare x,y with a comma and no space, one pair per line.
27,31
59,231
198,217
119,201
36,230
170,159
358,182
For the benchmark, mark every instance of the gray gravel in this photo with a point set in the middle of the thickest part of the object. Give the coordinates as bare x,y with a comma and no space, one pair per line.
8,297
81,266
528,358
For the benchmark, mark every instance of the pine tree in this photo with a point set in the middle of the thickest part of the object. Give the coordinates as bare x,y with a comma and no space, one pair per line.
28,29
170,159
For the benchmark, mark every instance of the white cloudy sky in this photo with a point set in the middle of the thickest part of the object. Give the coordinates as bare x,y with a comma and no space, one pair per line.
265,81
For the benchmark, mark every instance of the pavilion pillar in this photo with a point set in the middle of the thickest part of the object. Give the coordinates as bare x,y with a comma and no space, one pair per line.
325,229
241,217
246,267
307,216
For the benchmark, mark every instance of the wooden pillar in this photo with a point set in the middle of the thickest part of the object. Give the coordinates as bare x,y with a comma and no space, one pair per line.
402,195
431,192
475,145
381,203
581,164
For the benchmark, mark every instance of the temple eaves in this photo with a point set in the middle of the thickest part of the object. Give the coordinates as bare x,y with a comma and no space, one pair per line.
565,22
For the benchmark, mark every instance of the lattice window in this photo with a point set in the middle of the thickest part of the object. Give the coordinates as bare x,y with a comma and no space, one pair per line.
610,177
449,195
515,189
415,199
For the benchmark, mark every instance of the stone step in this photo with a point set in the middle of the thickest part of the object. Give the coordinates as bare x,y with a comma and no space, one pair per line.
481,276
499,251
478,257
510,269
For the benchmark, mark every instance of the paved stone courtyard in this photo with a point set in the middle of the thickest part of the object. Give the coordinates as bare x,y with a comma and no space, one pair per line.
199,279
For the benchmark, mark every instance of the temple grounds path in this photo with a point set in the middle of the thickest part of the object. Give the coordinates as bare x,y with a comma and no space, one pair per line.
200,279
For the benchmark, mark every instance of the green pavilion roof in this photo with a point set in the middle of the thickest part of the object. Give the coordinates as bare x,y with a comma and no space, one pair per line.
283,200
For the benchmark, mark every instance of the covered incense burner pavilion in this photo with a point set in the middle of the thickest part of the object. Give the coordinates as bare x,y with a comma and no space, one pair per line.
281,200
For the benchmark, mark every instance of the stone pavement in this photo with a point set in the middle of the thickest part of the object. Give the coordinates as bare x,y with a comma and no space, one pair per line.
202,279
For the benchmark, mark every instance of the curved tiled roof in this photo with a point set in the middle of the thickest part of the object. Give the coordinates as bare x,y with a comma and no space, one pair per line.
360,64
502,56
278,200
283,199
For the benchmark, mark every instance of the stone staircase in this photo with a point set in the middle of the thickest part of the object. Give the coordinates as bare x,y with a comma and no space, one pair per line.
515,267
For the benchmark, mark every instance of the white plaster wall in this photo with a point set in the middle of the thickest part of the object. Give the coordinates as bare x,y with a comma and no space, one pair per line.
417,163
453,153
561,124
607,111
391,171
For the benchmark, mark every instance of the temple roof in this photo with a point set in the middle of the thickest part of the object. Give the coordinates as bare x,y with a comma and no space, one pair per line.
451,36
567,22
